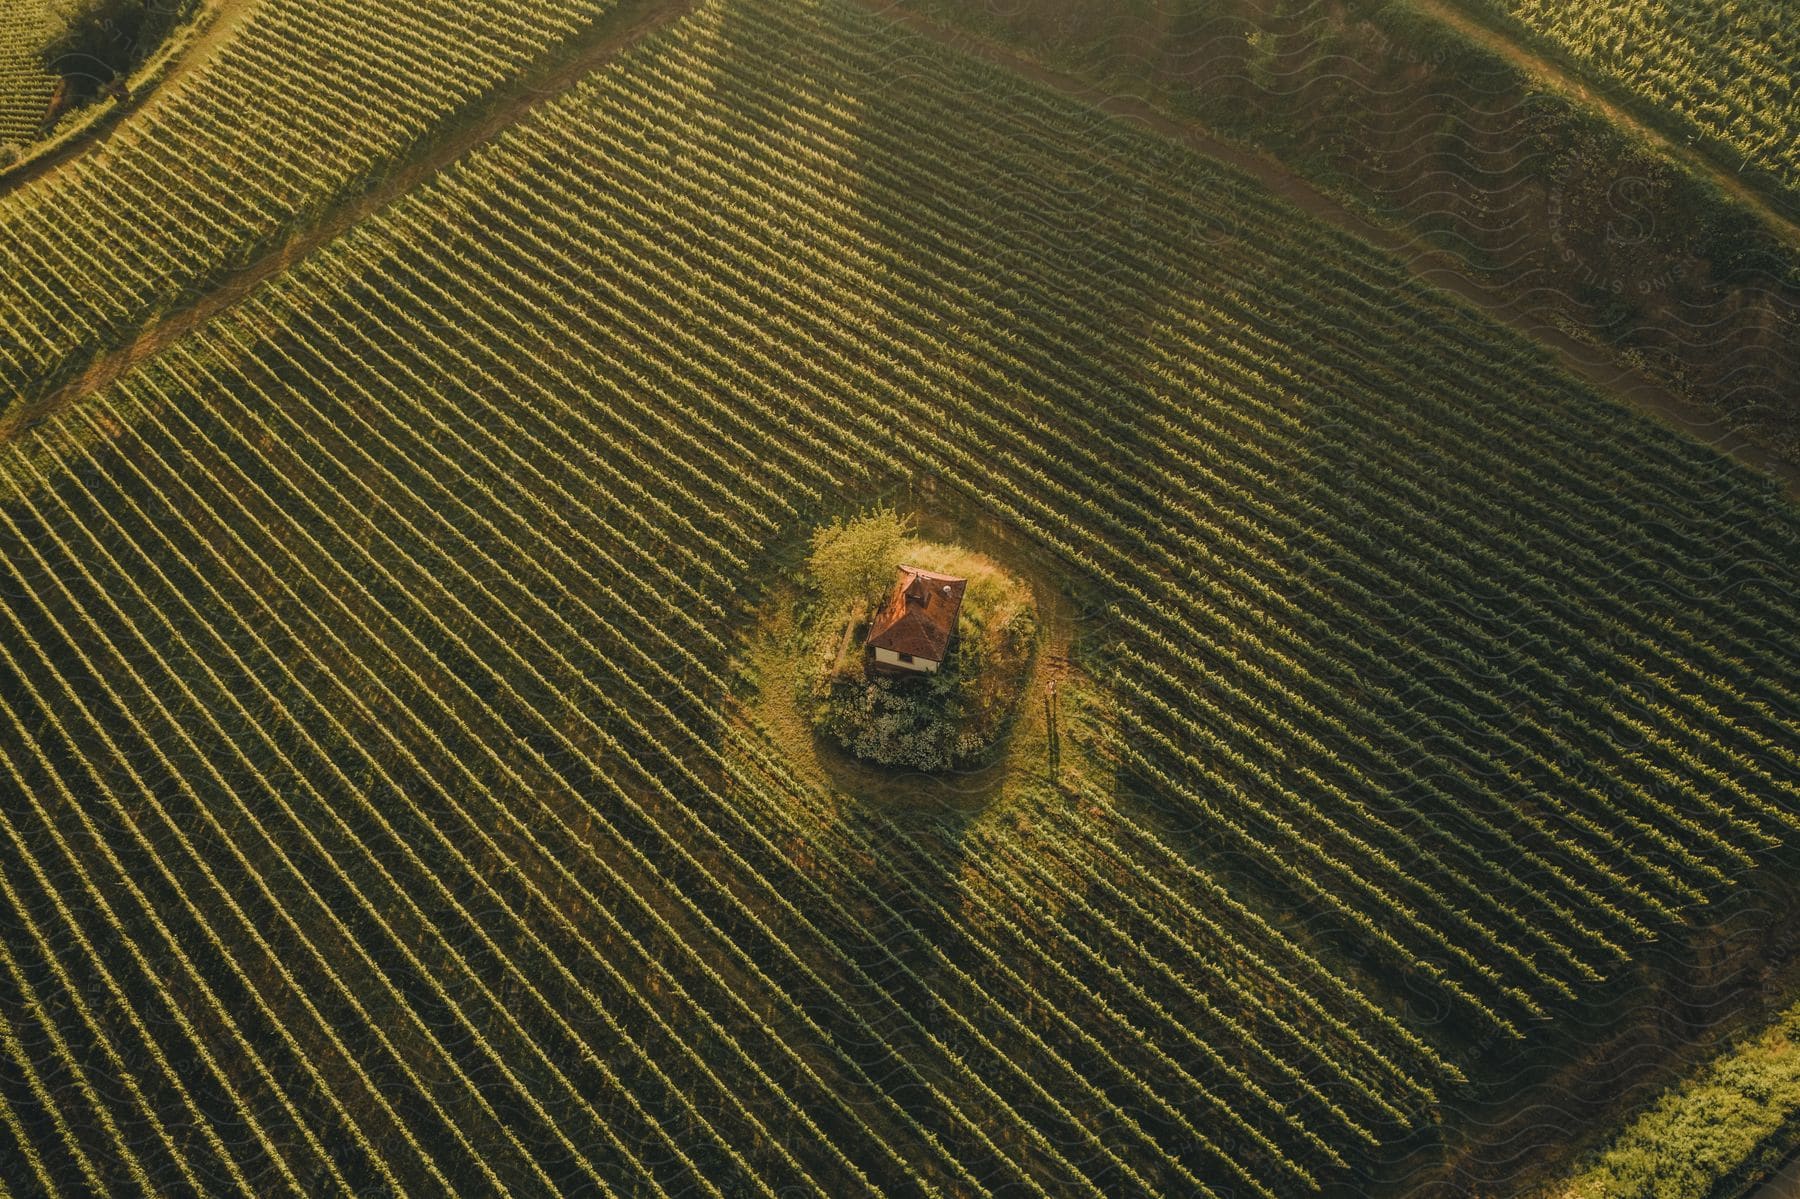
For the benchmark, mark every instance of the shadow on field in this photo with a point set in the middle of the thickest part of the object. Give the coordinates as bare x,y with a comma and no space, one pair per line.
1409,637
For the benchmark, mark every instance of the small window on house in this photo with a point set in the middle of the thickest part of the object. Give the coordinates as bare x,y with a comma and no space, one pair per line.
906,657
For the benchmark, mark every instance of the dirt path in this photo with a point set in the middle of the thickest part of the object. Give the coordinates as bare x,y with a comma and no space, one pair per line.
213,27
1431,265
632,21
1571,87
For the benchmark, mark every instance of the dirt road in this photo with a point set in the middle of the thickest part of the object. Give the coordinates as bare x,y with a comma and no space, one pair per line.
1436,267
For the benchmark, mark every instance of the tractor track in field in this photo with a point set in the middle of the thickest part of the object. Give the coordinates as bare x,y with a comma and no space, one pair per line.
616,32
636,19
1436,267
212,28
1571,87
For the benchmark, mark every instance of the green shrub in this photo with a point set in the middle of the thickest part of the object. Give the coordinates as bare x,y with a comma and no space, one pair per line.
942,721
93,42
1718,1130
853,561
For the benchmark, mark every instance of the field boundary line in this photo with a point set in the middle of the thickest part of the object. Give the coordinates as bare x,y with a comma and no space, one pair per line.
615,32
1435,267
1481,30
189,48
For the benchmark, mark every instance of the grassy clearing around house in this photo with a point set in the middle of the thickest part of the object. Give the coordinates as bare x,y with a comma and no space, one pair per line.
954,718
1051,743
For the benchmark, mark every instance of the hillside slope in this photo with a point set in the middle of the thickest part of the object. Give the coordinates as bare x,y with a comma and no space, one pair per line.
1569,220
1724,76
376,809
307,104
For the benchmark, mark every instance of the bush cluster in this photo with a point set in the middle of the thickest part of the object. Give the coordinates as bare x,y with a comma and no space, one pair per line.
93,42
943,721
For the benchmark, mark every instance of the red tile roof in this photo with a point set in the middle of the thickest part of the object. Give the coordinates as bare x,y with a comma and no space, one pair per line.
919,615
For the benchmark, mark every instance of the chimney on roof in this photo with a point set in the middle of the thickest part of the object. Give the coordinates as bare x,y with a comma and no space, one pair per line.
946,590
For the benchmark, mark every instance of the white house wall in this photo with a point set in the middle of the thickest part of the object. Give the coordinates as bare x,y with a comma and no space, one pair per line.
890,658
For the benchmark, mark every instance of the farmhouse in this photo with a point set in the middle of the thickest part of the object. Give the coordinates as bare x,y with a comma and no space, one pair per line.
912,631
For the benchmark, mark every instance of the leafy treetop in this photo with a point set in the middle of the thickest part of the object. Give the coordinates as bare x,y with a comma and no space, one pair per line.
854,561
92,41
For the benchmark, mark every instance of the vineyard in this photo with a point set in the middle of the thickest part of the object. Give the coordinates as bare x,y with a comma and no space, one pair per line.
1727,74
379,809
25,85
308,102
